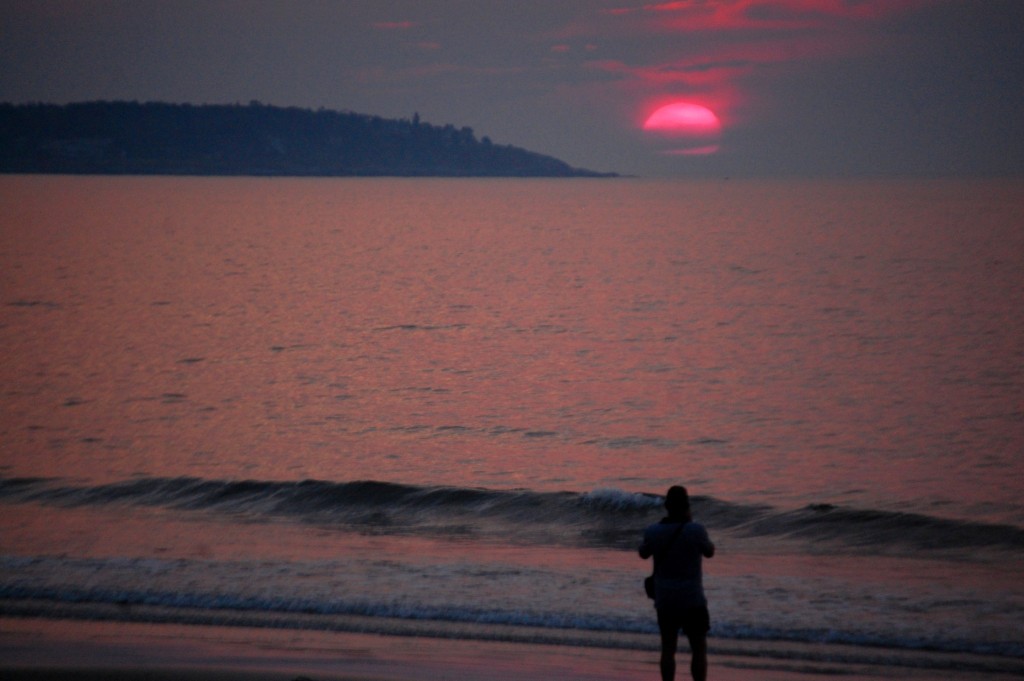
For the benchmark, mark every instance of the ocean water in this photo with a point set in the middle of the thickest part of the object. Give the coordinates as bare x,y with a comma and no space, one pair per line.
447,408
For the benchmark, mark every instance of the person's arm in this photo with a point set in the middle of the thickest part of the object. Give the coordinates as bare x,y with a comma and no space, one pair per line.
707,548
645,549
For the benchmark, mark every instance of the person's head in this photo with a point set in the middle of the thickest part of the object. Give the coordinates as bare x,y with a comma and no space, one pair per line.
677,501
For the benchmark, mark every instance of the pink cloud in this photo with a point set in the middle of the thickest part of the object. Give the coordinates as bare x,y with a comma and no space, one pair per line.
739,40
727,61
706,150
695,73
704,15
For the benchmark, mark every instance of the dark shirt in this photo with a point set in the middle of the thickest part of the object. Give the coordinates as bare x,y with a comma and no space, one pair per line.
677,562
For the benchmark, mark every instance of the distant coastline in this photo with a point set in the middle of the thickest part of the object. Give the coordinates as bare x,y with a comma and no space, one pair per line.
130,138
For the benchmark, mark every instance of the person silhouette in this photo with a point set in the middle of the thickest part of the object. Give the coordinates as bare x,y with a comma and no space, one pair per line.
678,545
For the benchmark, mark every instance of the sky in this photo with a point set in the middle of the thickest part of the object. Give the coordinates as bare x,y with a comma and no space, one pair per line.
766,88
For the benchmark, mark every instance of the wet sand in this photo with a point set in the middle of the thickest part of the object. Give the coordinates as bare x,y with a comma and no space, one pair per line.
45,650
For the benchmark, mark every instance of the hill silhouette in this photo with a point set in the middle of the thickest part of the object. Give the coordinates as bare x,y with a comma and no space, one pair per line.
254,139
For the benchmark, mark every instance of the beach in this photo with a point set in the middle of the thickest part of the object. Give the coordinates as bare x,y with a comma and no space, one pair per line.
37,650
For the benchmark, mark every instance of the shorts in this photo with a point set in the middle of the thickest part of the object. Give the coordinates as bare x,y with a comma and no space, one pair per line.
693,621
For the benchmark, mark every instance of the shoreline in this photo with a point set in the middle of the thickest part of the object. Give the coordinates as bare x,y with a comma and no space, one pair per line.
41,650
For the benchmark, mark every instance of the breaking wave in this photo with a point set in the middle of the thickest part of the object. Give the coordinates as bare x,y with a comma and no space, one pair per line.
607,517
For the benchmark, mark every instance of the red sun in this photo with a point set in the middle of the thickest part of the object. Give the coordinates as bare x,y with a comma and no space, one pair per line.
693,126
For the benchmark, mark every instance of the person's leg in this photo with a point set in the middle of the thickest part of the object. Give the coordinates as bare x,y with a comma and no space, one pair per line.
695,623
699,657
668,625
